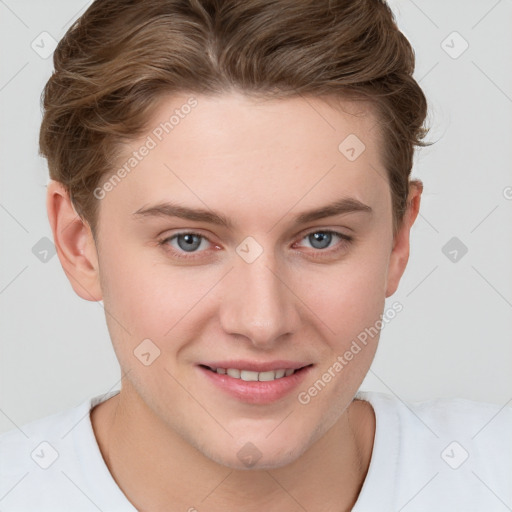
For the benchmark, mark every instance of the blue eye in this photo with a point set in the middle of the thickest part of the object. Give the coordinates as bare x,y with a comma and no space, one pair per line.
322,238
187,244
191,241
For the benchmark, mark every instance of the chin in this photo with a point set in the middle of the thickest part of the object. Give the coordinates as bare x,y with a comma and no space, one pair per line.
257,455
260,462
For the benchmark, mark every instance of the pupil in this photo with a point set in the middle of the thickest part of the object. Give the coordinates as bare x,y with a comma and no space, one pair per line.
322,237
190,241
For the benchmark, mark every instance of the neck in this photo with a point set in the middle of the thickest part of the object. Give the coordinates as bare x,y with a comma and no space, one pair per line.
154,466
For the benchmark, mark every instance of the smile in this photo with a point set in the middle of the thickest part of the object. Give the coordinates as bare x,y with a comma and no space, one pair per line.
255,385
248,375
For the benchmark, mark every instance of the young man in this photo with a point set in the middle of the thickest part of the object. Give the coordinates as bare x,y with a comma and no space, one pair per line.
231,179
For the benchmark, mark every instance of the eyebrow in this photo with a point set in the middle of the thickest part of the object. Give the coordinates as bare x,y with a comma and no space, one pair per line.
168,209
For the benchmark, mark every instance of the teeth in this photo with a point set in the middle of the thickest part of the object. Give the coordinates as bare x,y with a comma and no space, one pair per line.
248,375
265,376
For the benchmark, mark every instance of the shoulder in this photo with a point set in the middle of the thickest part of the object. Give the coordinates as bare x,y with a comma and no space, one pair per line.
446,453
30,456
444,416
50,463
30,444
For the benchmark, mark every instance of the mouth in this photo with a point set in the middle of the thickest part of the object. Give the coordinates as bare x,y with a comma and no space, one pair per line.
254,376
254,383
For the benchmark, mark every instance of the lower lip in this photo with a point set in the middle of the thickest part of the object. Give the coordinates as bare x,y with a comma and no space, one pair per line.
256,392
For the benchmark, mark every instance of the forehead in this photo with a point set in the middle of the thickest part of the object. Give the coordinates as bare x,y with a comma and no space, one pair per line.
210,148
232,123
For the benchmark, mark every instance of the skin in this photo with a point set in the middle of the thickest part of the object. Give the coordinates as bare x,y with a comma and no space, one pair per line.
170,436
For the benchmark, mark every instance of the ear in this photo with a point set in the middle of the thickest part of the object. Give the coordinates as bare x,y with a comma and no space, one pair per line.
400,252
74,243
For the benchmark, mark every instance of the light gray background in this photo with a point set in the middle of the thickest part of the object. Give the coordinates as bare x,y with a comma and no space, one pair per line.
453,337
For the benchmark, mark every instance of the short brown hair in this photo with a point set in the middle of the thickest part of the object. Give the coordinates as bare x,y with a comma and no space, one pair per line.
120,58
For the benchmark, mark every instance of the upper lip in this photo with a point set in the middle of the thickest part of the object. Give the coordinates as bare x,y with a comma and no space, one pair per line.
256,366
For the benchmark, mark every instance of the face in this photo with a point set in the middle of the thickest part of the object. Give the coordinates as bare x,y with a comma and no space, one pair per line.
255,281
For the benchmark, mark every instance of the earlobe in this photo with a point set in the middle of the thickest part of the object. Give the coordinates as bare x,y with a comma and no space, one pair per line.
400,253
74,243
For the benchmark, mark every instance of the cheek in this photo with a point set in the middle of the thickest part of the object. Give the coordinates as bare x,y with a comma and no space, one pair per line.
349,297
145,297
349,304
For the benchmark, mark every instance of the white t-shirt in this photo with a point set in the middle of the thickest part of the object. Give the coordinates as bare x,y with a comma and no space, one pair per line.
432,456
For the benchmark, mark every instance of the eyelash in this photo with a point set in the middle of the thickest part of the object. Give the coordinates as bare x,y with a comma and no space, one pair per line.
317,253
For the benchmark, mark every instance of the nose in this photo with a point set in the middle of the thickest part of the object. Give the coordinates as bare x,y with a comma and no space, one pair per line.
258,303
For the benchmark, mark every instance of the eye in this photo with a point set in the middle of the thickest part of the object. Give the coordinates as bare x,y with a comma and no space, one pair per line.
188,244
321,241
180,244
